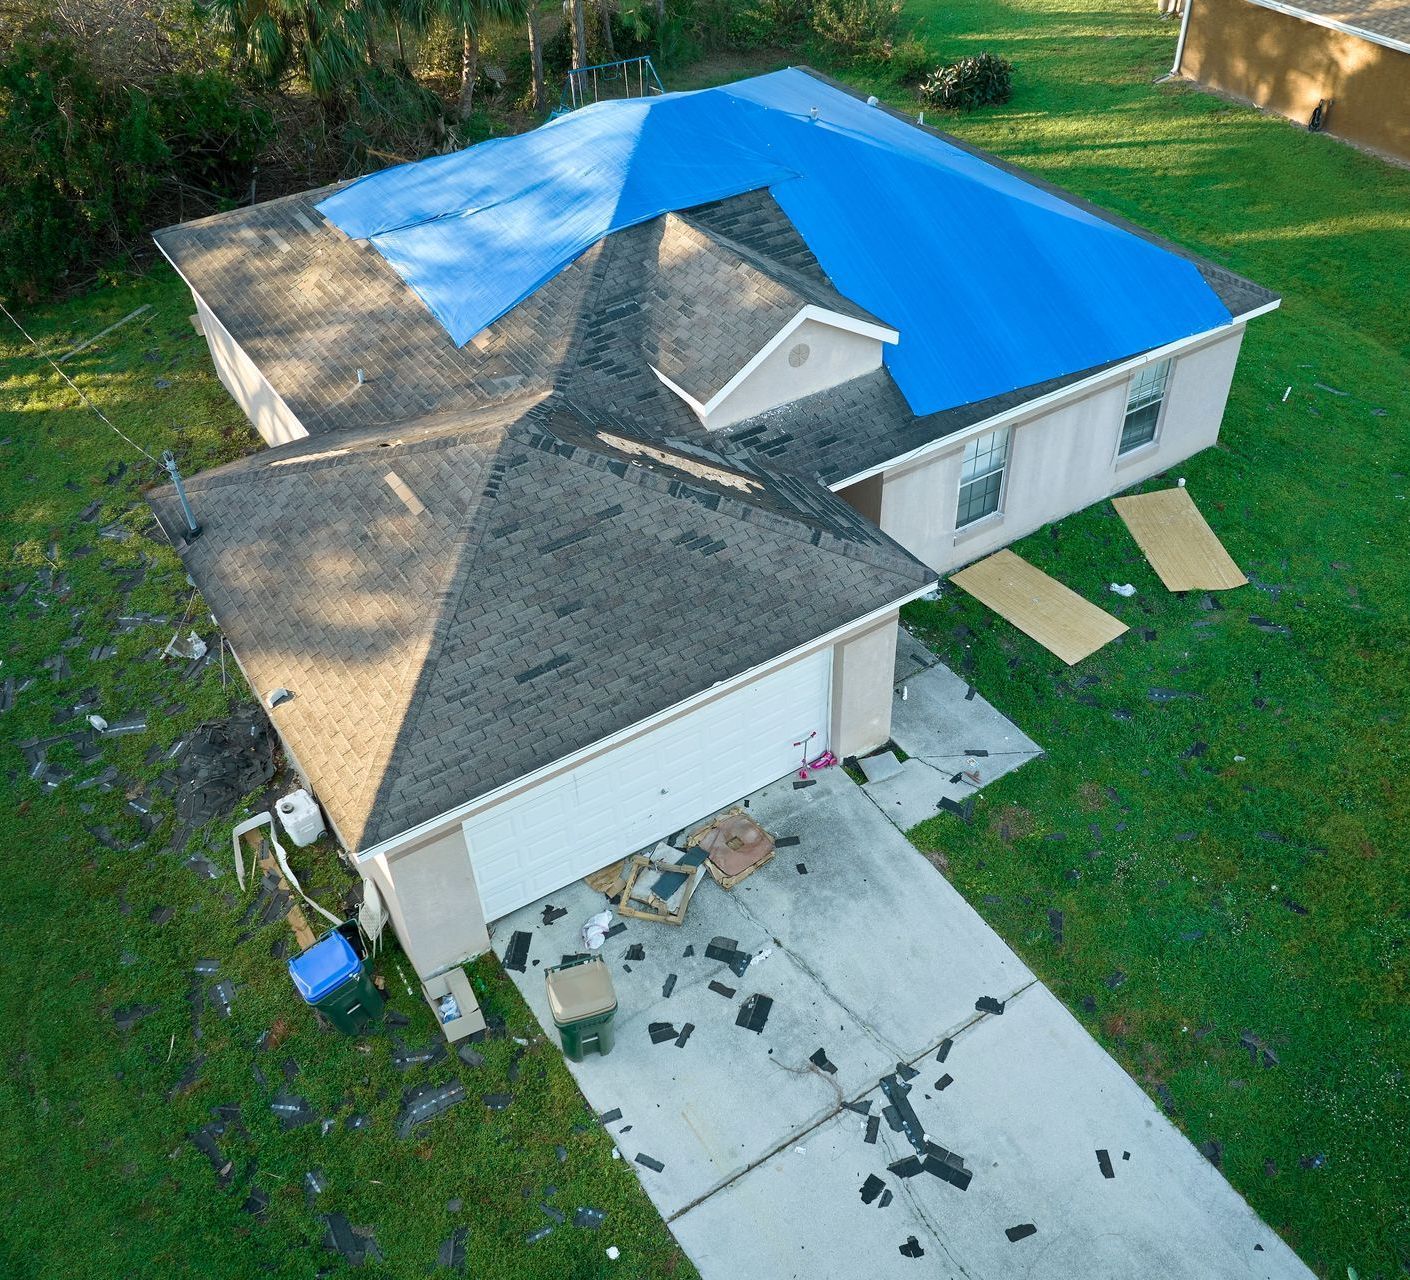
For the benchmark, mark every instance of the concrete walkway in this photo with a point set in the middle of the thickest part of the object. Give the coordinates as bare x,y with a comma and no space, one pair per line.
871,959
955,741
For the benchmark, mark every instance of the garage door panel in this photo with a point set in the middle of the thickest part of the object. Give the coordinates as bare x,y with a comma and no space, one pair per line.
649,788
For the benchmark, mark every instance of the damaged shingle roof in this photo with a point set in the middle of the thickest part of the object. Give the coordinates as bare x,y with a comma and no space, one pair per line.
311,307
460,601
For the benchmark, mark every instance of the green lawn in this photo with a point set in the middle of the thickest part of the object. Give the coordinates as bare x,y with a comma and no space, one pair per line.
104,1180
1266,894
1175,870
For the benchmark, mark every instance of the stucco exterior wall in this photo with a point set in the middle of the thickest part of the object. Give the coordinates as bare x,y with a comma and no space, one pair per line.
863,672
249,388
433,901
1287,64
834,356
1060,461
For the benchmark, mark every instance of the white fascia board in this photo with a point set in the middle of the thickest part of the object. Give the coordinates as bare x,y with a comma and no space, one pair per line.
834,319
696,407
1072,391
470,807
1346,28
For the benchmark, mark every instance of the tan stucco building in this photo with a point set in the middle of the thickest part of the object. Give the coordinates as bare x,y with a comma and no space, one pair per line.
1341,66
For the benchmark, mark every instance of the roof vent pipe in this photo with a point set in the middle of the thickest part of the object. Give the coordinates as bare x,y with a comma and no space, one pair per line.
193,530
361,377
813,114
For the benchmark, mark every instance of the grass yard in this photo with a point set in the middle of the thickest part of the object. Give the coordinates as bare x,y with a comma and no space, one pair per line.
95,1121
1206,896
1202,897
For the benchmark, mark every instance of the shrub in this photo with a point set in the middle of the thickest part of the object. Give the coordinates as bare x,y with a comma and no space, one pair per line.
857,29
213,135
981,81
770,23
79,162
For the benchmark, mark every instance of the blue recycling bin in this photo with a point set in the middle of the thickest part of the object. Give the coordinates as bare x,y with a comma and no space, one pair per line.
331,978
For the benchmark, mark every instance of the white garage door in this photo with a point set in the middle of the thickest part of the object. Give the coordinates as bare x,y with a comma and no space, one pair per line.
649,788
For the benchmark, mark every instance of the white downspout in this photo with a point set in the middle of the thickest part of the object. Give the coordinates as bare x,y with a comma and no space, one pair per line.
1180,43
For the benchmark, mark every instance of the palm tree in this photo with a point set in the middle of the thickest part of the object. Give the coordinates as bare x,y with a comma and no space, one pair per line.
536,56
577,19
470,16
326,40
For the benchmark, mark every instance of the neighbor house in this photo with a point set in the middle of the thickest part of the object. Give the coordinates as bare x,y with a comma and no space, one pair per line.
1342,66
603,458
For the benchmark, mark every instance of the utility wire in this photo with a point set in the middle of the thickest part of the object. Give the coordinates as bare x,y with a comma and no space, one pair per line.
81,393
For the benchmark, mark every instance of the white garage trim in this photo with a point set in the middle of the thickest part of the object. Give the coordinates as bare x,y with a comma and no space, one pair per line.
420,832
646,789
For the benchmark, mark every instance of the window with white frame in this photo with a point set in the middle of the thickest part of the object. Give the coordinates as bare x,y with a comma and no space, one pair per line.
982,476
1143,401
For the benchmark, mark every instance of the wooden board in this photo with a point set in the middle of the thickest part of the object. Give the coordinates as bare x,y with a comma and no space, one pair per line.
1179,544
609,879
264,857
1041,607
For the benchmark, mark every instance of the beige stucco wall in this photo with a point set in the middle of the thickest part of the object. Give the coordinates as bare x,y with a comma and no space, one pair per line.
1060,461
248,387
863,671
1287,64
433,901
834,356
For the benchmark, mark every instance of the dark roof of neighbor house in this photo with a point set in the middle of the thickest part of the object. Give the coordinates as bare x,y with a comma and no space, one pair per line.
311,307
1382,21
461,600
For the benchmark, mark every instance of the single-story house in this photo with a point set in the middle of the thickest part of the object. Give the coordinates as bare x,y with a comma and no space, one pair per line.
602,458
1342,66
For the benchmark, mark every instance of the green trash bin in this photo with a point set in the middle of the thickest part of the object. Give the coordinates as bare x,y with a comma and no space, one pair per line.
583,1004
330,977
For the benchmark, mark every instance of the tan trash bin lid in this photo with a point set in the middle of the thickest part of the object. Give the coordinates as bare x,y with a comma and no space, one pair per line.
580,991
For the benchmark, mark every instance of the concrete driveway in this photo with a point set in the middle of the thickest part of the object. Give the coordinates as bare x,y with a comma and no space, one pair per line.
871,957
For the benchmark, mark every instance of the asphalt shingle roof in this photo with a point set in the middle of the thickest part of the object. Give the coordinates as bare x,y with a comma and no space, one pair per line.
458,602
1388,19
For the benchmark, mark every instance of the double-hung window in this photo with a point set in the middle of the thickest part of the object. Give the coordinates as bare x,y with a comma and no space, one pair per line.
982,476
1143,401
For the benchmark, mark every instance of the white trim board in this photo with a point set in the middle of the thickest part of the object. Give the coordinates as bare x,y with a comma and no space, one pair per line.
1333,24
1072,391
833,319
423,830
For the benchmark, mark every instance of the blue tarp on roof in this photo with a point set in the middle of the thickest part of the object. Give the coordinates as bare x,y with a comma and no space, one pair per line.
992,283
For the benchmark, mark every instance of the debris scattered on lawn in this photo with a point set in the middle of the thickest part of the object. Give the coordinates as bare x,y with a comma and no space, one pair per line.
127,1018
1123,589
1269,627
451,1254
539,1233
912,1249
589,1219
426,1101
668,986
963,811
1117,979
356,1244
469,1055
872,1188
987,1004
819,1059
404,1058
649,1162
1104,1163
1213,1152
293,1111
497,1101
610,1117
1055,923
754,1013
516,954
1021,1232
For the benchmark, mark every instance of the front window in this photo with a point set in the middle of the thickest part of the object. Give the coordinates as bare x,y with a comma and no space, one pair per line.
1143,403
982,476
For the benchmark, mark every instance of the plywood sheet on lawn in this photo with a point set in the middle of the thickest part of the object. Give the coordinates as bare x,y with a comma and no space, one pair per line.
1178,542
1039,606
